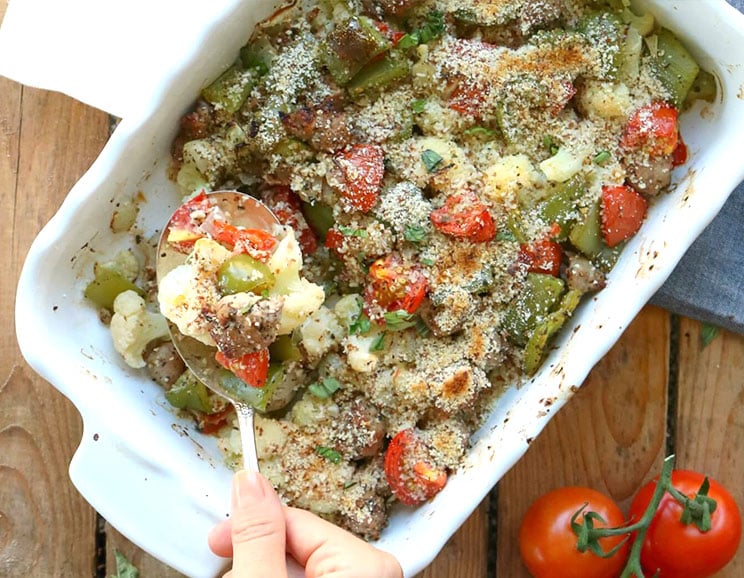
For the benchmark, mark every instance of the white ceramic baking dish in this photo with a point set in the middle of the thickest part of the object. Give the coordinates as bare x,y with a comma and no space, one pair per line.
161,483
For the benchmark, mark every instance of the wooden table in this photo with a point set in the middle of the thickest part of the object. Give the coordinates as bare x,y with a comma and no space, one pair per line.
658,391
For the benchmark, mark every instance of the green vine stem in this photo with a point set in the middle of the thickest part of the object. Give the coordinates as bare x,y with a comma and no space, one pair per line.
696,510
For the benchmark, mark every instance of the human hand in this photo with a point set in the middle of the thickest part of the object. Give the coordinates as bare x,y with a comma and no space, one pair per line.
261,533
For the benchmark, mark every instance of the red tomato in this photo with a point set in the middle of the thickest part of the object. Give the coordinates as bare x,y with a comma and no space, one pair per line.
287,207
361,168
548,543
394,285
242,240
676,550
542,257
467,97
679,156
465,216
334,239
210,423
409,471
184,228
252,368
388,32
622,212
653,128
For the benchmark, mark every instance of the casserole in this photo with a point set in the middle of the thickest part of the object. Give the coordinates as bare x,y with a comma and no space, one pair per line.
163,490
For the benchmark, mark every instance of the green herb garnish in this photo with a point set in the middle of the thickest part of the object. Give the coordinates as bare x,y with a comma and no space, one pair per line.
431,160
479,131
324,388
602,157
418,105
361,324
379,343
399,320
708,333
328,453
352,232
414,234
124,568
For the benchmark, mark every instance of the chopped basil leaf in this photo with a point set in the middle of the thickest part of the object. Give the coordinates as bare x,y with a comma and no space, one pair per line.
418,105
708,333
480,131
325,388
414,234
602,157
422,328
408,41
379,343
352,232
399,320
551,145
328,453
433,27
361,324
348,485
428,261
431,160
124,568
505,235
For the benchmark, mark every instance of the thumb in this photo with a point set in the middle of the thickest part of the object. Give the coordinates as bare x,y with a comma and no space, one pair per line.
258,528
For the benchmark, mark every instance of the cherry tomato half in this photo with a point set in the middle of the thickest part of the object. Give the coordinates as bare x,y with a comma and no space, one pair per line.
184,228
548,544
394,285
653,128
464,215
622,212
252,368
287,207
678,550
543,256
411,475
361,168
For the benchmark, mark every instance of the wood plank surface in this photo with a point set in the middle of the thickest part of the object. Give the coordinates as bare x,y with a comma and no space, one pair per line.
657,390
46,528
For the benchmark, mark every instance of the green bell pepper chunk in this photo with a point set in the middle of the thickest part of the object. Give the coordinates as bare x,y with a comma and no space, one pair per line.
586,234
675,68
535,350
377,75
284,349
189,393
540,295
106,285
560,207
319,216
258,55
351,44
242,273
257,397
231,89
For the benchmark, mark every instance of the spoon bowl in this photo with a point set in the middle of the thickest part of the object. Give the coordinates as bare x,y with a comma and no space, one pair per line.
240,210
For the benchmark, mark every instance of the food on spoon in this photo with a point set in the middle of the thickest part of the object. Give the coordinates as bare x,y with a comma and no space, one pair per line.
458,175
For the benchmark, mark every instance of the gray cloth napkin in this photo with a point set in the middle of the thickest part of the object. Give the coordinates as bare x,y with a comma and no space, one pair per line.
708,283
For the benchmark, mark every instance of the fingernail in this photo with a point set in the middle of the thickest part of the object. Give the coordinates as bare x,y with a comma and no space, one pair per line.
247,488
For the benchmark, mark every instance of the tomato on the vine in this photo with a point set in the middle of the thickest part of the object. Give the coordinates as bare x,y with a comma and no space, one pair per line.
679,550
548,543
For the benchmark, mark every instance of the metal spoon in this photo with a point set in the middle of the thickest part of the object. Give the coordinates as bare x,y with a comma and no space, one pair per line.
243,211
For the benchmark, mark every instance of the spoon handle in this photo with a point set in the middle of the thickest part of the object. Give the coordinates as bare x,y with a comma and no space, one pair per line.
247,436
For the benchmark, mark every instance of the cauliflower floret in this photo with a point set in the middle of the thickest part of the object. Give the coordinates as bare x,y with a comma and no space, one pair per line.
133,327
301,297
320,332
359,353
190,288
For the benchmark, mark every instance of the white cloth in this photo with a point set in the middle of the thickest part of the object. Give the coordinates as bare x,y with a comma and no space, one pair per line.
106,53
